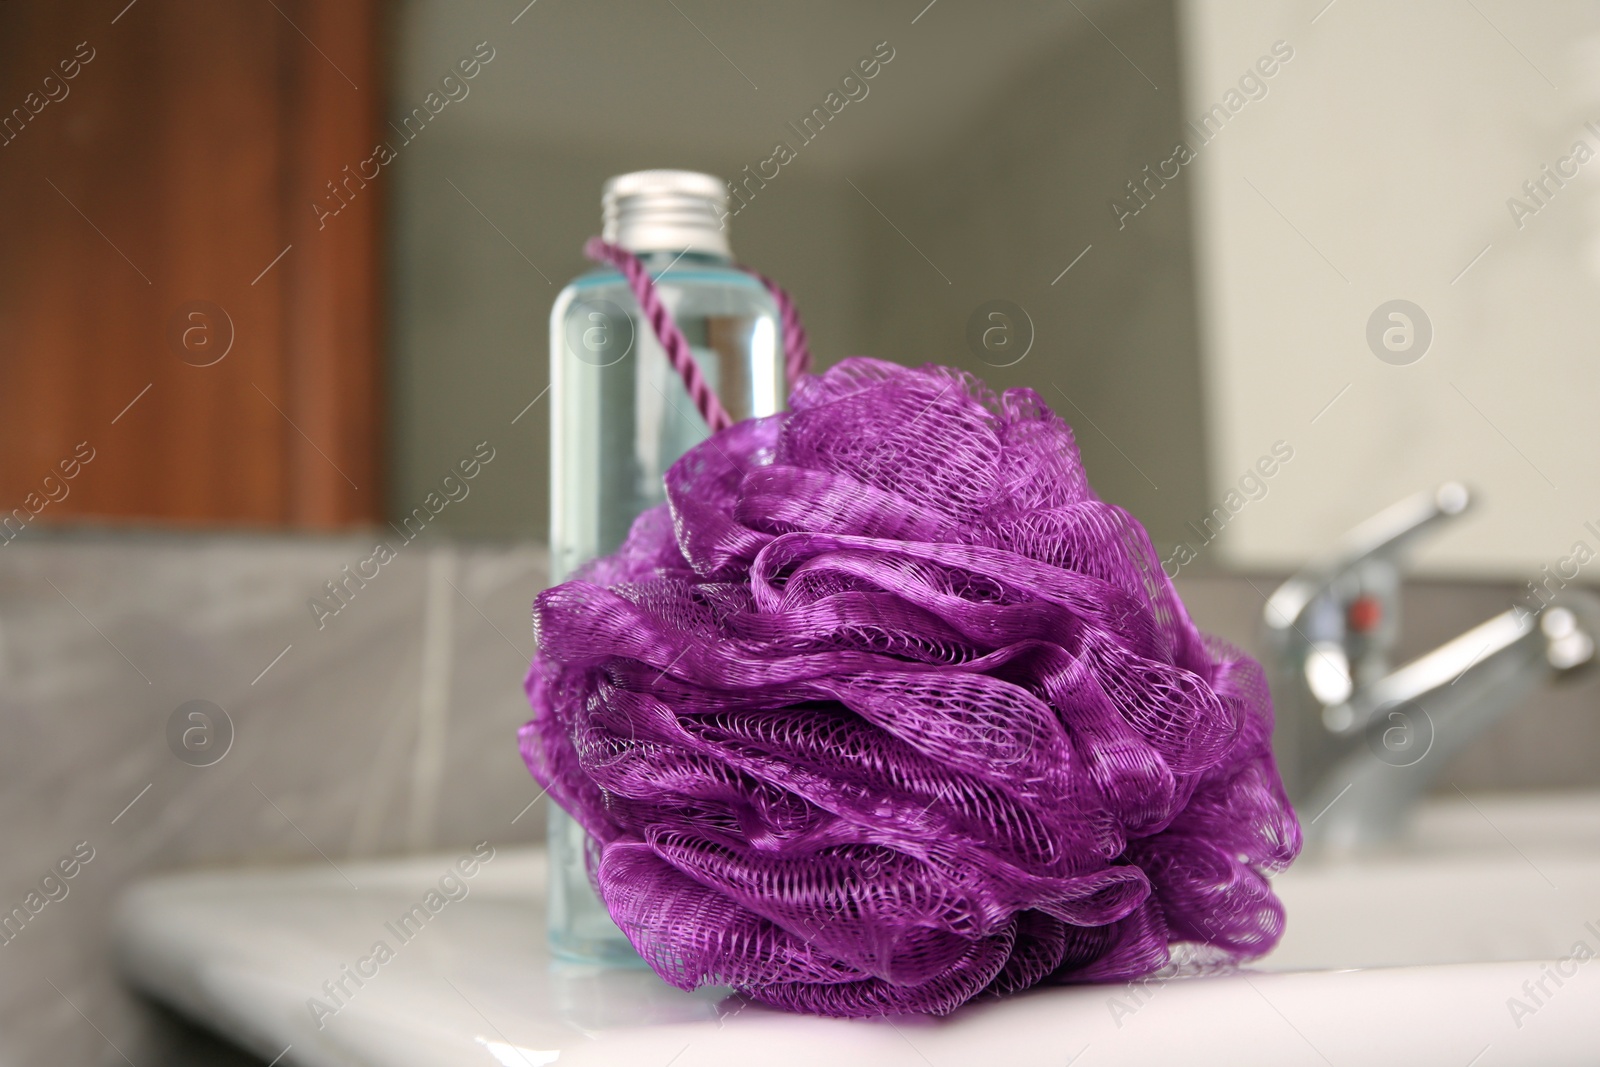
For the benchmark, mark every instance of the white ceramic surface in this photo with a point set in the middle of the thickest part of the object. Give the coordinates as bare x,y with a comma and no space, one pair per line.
1445,934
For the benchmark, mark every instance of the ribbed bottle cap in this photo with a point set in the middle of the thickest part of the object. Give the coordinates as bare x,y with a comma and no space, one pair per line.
665,211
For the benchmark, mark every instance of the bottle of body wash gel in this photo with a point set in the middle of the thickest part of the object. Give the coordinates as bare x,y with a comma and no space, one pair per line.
621,416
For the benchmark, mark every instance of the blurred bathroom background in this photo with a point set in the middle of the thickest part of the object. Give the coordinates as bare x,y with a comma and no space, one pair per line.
239,345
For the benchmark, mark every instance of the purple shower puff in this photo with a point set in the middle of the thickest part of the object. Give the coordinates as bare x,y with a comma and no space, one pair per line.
885,710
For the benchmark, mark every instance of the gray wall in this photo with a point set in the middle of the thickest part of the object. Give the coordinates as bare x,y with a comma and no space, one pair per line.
1008,203
337,752
1000,192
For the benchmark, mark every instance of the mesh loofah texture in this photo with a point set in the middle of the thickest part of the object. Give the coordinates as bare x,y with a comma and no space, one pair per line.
885,710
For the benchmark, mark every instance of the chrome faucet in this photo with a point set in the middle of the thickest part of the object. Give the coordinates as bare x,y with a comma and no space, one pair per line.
1360,741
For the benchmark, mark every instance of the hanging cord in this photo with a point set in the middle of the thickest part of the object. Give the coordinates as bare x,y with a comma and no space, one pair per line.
797,352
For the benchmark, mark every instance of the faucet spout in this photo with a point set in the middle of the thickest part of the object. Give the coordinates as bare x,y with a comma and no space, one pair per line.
1412,722
1332,626
1361,740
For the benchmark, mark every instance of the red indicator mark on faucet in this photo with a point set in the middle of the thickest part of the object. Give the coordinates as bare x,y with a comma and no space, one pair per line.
1364,614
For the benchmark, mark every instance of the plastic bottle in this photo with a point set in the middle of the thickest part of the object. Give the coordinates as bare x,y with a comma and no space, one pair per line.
621,416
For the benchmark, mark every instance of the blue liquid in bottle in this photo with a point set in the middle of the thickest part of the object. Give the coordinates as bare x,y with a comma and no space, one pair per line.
621,416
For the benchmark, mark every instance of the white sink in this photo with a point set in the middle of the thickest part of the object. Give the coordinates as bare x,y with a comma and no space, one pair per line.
1410,959
1439,910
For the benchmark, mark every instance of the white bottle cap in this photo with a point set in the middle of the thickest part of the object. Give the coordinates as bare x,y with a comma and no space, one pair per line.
665,211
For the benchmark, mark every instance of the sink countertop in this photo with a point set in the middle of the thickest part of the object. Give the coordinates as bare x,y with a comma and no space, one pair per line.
260,956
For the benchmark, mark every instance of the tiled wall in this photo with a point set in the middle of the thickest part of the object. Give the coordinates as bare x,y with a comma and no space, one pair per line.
1551,742
389,728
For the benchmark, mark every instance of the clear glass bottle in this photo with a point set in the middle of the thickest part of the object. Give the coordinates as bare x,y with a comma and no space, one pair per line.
621,416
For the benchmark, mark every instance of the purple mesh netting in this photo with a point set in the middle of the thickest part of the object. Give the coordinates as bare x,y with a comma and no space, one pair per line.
885,710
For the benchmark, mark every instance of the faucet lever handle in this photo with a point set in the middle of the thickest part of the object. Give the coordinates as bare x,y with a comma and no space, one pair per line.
1381,537
1391,530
